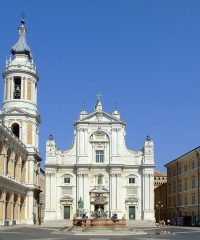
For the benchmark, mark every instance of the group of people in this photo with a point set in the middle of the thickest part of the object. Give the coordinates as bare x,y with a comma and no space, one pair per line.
163,224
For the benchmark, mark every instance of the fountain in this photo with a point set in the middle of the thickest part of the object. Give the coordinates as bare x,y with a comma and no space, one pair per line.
99,217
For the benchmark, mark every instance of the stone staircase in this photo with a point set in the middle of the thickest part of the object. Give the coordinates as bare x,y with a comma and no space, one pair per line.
68,223
140,224
57,223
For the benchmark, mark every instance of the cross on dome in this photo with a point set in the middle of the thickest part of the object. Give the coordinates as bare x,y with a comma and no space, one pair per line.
98,105
99,96
21,47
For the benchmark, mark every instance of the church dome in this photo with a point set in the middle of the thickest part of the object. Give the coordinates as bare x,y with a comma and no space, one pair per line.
21,47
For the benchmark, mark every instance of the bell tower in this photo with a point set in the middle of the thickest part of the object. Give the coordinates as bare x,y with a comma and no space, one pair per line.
20,110
20,114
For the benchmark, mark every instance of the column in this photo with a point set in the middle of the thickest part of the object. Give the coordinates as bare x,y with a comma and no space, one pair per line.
80,186
33,91
12,88
151,194
5,159
86,197
81,142
113,192
23,171
93,154
113,141
33,133
117,141
1,206
8,88
85,142
22,88
9,208
118,192
78,142
13,166
23,202
36,93
26,83
18,209
12,206
20,169
30,170
48,191
30,208
53,190
10,165
4,204
148,199
2,159
5,89
15,206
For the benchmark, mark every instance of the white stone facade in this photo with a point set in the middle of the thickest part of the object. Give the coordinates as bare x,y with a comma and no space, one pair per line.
99,162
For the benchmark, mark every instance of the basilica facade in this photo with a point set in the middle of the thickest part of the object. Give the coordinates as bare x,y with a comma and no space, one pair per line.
99,173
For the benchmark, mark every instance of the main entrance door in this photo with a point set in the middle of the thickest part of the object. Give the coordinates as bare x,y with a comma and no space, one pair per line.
131,212
66,212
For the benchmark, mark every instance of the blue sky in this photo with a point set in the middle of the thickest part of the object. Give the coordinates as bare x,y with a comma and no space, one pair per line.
142,55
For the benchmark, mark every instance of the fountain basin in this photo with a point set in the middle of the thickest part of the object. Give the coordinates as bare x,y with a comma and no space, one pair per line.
100,222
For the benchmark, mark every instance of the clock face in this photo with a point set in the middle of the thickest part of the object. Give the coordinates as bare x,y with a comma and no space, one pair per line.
50,151
148,144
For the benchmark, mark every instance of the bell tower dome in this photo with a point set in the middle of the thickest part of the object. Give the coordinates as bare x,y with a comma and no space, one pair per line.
20,109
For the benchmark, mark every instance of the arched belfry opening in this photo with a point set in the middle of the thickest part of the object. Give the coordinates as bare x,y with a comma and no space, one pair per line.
17,88
15,129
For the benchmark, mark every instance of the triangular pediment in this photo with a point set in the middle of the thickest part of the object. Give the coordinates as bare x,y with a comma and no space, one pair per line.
100,116
18,111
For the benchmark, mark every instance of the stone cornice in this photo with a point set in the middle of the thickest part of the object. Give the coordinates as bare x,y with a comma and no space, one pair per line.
103,166
20,70
148,166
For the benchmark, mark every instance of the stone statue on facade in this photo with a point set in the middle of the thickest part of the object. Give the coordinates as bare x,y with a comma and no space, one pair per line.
80,203
80,207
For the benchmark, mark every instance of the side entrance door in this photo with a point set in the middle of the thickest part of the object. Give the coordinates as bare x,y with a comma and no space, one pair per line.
131,212
66,212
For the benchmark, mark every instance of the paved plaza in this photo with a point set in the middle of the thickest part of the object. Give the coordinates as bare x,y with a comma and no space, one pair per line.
53,231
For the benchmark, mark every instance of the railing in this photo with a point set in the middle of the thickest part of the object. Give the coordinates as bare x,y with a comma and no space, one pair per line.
5,175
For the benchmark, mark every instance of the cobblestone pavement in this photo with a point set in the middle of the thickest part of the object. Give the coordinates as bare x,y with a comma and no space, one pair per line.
51,231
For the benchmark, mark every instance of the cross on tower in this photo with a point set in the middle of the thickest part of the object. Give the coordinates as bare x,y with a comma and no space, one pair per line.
23,16
99,96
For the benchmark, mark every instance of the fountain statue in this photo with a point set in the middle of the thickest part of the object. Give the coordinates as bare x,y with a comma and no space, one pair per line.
99,217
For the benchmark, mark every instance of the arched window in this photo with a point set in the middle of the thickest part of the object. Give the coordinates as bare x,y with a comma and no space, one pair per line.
15,129
17,88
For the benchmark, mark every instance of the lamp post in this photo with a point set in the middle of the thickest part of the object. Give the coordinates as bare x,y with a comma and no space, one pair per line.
159,205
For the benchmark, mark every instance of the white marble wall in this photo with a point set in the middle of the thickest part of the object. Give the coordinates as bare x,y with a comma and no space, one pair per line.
119,164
